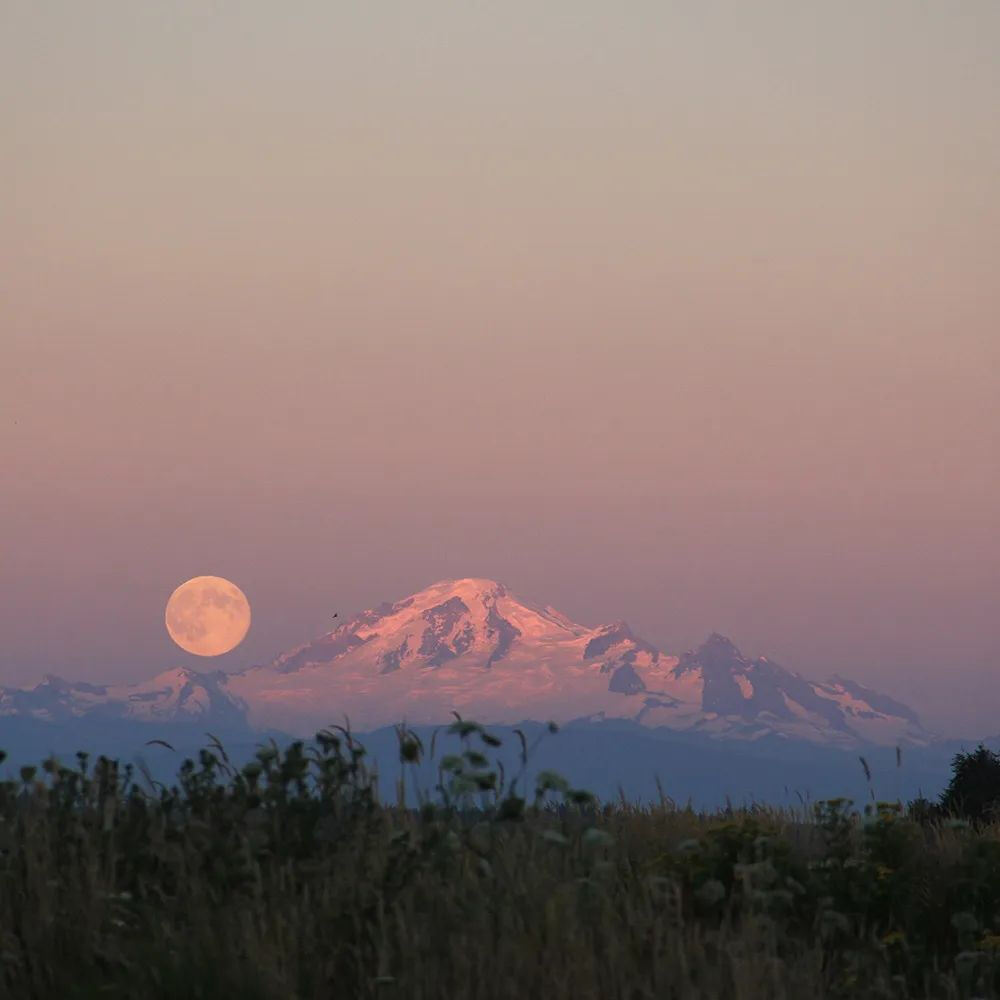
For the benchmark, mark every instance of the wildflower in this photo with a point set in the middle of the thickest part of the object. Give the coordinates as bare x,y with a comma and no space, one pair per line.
597,838
989,942
711,892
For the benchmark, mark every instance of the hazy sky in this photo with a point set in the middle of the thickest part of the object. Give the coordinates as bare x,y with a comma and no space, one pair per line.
680,312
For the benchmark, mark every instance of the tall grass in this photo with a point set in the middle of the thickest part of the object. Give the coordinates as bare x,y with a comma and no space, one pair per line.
290,878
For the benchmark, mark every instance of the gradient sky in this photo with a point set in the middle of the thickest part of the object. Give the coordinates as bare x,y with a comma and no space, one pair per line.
680,312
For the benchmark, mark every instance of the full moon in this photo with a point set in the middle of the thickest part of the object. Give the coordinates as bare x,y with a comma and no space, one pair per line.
208,616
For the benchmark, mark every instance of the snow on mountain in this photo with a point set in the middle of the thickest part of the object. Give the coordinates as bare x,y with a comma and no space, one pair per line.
173,696
467,645
741,698
473,647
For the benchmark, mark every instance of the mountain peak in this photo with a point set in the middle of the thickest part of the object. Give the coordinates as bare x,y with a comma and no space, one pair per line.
474,585
717,642
717,656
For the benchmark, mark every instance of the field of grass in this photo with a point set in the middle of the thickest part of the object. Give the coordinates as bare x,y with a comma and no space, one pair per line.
290,878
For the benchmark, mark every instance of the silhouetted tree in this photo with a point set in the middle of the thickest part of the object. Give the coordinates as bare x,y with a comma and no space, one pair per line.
974,790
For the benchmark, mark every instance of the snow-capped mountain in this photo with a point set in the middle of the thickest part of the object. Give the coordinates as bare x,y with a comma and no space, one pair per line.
471,646
172,696
741,698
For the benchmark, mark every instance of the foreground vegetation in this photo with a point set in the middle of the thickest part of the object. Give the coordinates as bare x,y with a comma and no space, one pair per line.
289,878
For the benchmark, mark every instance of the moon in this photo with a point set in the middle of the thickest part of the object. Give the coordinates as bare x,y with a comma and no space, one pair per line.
208,616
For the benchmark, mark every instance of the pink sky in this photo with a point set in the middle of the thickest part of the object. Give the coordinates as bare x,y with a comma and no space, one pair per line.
684,313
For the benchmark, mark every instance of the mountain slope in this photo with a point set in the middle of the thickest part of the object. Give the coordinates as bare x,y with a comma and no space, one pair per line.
174,696
473,647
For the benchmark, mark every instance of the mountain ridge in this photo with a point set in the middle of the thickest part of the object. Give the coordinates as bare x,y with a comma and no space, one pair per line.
473,646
